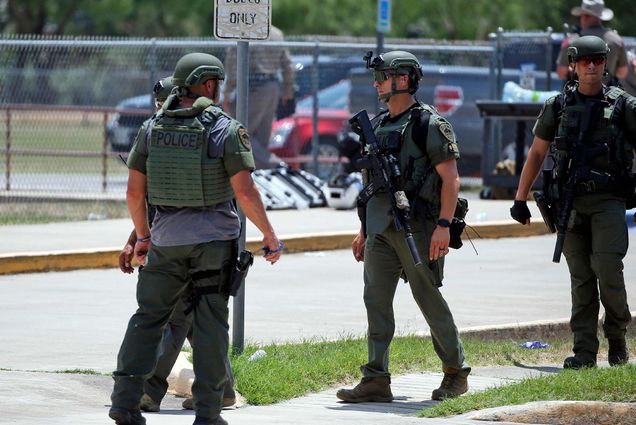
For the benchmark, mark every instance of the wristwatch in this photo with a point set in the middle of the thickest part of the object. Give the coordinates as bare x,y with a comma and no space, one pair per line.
442,222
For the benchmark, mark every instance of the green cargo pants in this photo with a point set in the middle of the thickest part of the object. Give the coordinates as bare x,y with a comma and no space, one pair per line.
161,284
179,328
385,256
594,249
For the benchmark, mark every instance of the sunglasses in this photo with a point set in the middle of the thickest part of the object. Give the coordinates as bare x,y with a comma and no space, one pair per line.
381,76
586,60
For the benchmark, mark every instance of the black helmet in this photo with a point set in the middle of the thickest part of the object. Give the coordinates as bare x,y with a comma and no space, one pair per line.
589,45
162,89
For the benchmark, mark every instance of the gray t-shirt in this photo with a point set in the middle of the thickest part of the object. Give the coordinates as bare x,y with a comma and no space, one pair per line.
185,226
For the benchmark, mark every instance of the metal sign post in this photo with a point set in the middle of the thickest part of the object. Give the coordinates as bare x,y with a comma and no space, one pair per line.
242,22
383,26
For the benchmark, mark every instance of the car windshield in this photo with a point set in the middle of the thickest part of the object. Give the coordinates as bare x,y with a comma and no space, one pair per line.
333,97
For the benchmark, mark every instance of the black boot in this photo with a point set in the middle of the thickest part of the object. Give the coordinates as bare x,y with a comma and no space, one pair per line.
200,420
123,416
579,361
617,354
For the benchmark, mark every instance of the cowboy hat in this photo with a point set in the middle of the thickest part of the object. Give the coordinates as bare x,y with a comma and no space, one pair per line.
595,8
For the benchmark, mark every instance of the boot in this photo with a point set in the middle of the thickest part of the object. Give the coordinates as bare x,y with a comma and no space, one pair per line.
617,354
228,401
123,416
147,404
580,360
377,389
454,383
200,420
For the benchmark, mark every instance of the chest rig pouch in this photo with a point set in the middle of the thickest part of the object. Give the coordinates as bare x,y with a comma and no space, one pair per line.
603,166
181,172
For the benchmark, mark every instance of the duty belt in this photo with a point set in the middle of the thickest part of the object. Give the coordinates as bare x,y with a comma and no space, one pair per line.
262,78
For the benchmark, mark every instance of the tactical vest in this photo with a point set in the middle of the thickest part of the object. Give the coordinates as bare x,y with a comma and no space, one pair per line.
396,138
181,171
608,154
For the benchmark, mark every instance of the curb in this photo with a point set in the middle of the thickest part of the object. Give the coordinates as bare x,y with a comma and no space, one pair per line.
108,257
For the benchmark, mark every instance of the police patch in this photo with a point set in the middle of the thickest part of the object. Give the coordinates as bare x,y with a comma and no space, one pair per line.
447,131
244,138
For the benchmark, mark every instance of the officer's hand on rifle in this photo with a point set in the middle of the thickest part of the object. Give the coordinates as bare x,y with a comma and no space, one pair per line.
520,212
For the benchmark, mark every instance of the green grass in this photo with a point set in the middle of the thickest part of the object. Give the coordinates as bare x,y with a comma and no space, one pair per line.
59,132
23,212
617,384
292,370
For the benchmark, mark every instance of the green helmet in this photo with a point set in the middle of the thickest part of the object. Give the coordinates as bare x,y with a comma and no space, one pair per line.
589,45
395,62
196,68
400,61
162,89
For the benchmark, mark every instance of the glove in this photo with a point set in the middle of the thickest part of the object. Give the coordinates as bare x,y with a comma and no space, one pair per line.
520,212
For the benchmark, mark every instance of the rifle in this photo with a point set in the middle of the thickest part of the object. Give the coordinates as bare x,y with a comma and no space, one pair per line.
385,172
573,171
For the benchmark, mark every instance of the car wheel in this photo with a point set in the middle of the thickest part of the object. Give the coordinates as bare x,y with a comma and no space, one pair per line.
327,147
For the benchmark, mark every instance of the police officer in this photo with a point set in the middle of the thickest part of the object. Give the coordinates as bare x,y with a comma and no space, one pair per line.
596,242
427,153
266,90
191,162
591,15
180,324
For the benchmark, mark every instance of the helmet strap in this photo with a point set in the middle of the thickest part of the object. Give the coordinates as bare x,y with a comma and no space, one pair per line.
394,90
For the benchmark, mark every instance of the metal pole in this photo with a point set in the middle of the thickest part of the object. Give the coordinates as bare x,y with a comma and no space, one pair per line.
152,60
242,90
548,60
379,49
105,155
8,159
315,86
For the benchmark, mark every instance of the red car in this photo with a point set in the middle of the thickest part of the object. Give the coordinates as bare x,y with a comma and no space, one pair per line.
291,136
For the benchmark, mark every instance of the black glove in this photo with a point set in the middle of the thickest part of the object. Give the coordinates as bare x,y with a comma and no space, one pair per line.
520,211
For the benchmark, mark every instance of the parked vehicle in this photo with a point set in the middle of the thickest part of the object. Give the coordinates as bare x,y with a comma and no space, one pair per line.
291,136
123,127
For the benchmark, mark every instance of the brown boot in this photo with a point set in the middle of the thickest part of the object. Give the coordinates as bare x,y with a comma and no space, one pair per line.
147,404
455,383
188,403
377,389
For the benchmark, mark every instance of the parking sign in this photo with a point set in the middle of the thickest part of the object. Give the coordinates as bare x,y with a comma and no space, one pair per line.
242,19
384,16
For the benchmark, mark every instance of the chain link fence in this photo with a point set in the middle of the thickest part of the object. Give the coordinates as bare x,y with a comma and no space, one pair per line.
70,107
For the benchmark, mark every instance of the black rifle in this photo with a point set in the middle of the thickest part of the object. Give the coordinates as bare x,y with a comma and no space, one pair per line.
573,170
385,171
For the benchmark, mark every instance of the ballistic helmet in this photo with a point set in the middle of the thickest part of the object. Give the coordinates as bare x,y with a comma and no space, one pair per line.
589,45
196,68
396,62
162,89
399,61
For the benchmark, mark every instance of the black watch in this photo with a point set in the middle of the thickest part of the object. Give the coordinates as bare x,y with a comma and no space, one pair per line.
442,222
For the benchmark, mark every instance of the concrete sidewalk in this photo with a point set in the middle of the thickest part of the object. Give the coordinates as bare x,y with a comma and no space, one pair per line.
91,244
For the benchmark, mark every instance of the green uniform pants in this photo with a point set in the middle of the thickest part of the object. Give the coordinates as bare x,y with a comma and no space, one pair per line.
594,249
386,255
161,284
179,328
